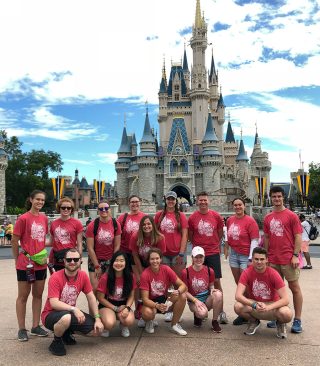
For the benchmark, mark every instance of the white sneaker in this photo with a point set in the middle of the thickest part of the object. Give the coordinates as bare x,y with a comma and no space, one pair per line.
141,323
149,327
155,323
125,332
178,329
168,316
105,333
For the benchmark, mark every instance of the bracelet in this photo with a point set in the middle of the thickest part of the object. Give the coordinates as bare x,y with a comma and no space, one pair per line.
97,316
115,309
194,300
254,305
97,266
181,254
128,308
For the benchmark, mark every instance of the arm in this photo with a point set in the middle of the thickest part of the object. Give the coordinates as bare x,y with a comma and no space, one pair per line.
254,244
297,249
15,246
93,257
117,242
58,305
79,242
283,301
93,308
102,300
148,302
190,234
137,262
241,289
266,242
184,239
181,287
48,242
220,233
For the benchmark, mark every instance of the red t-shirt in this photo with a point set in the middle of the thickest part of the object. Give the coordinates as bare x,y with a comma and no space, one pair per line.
104,240
143,250
65,289
102,287
157,283
32,230
281,227
64,233
198,280
262,286
130,227
240,233
169,228
204,228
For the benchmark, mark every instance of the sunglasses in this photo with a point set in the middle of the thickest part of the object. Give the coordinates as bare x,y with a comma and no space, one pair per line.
65,208
69,260
101,209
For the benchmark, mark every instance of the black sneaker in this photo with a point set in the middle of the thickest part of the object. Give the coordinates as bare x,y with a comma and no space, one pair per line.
38,331
57,347
239,321
197,322
68,338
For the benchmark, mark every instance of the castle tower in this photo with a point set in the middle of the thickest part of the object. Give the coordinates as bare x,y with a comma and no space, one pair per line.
230,146
210,159
3,167
186,72
242,168
76,186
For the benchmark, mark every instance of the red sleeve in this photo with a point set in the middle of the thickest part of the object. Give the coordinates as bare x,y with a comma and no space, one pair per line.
86,284
133,243
244,278
144,281
54,286
79,227
265,225
156,217
253,229
220,221
297,228
190,223
184,221
19,227
89,232
118,229
172,276
120,219
161,245
278,281
102,285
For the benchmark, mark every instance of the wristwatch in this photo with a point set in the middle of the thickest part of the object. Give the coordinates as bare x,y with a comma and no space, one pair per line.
296,255
181,254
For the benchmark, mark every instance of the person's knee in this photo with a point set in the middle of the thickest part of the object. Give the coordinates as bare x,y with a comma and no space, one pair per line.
128,321
217,296
238,308
147,313
64,322
294,287
284,314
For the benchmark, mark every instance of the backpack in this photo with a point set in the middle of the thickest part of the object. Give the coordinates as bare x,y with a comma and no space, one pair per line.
96,226
313,232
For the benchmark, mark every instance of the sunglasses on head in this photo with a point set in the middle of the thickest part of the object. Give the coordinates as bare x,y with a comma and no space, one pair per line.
69,260
65,208
103,209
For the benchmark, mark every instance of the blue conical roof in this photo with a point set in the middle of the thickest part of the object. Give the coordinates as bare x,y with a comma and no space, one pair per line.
220,101
230,135
185,62
242,154
163,86
124,147
256,139
133,140
213,74
210,134
147,133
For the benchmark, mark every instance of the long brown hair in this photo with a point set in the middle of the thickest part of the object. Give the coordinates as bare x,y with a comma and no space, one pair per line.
155,235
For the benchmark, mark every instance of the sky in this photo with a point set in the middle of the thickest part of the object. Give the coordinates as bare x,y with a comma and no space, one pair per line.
71,73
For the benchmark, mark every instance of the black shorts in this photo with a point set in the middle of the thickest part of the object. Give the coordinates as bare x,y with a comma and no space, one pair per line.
85,328
160,300
213,261
113,302
9,236
41,275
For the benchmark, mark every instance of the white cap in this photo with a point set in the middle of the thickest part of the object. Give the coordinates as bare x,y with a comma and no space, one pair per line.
197,251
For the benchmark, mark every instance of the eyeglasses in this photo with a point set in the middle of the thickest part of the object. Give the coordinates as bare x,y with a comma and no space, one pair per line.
134,201
101,209
69,260
66,208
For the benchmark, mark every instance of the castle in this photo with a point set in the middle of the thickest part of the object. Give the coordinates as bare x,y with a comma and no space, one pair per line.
192,154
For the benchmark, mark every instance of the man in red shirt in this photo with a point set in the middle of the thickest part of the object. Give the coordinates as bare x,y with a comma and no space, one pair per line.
60,313
261,295
205,231
282,240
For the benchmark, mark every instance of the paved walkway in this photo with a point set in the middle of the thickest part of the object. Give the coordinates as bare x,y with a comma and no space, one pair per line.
200,347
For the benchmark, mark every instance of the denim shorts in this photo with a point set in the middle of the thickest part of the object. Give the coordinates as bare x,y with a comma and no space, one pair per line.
170,260
237,260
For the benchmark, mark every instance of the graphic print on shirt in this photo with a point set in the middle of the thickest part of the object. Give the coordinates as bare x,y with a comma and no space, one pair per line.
37,232
104,237
199,285
276,227
143,251
61,235
261,290
69,294
234,231
132,226
117,293
205,228
158,288
167,225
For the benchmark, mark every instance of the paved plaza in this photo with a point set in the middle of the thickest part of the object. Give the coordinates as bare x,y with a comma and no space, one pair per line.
200,347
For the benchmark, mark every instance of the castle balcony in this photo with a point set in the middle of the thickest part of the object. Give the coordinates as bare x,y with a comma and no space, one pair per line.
175,175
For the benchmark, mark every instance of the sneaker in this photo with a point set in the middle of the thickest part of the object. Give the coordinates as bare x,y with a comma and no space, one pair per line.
57,347
125,332
215,326
105,333
308,266
178,329
272,324
23,335
168,316
197,322
296,326
38,331
68,338
141,323
281,330
239,321
149,327
223,318
252,327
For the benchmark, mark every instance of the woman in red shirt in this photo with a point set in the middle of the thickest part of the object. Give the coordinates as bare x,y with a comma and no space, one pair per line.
30,230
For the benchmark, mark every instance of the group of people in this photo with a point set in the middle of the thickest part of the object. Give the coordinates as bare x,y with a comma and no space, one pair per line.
6,231
138,263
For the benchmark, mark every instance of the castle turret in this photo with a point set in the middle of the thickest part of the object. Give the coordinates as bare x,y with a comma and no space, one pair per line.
186,72
230,146
213,86
3,167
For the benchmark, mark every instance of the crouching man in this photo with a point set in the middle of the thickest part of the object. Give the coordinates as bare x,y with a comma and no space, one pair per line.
261,295
60,313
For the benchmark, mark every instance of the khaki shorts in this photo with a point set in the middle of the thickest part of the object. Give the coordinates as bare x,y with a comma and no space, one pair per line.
266,315
287,271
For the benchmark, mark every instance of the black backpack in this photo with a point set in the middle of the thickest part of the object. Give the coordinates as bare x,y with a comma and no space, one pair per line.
313,232
96,226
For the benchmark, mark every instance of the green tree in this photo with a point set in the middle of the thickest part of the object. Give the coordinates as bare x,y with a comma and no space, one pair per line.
28,171
314,184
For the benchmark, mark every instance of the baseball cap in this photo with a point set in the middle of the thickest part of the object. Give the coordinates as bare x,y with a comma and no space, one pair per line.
197,251
171,194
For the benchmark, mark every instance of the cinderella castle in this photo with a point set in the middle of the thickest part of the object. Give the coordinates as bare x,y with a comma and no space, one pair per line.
193,154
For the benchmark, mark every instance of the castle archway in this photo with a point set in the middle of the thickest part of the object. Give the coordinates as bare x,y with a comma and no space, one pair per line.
182,191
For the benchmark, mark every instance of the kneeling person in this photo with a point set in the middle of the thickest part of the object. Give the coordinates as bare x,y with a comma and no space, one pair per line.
60,313
261,295
201,295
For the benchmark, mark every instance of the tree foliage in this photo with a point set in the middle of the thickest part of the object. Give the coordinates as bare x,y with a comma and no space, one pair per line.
314,185
28,171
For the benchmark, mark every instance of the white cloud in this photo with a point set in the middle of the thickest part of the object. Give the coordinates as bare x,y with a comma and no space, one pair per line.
79,162
107,158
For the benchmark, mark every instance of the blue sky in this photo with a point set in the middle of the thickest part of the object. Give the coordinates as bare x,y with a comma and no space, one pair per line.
70,71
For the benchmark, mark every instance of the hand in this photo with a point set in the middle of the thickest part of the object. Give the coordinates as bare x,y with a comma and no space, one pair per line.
179,260
79,315
162,308
174,294
295,262
261,306
98,326
124,313
226,252
98,272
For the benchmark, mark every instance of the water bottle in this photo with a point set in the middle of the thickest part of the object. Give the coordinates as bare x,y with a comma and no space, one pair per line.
31,276
51,268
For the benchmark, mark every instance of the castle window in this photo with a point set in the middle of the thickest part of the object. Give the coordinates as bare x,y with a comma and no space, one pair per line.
176,87
173,166
184,165
176,97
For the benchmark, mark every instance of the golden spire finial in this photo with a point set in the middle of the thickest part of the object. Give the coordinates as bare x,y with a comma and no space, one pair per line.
198,20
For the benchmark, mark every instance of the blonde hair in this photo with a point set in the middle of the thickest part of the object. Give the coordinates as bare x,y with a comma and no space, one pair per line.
65,199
